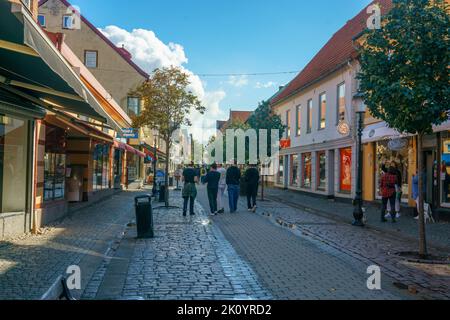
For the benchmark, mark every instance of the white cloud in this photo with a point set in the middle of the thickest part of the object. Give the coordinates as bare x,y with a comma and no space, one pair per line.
150,53
265,85
238,81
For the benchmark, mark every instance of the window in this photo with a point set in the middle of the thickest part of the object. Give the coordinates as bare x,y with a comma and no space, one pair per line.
91,59
41,20
309,115
134,107
14,135
294,170
67,22
306,178
101,167
445,169
281,170
346,170
299,121
341,103
288,124
322,111
321,170
54,176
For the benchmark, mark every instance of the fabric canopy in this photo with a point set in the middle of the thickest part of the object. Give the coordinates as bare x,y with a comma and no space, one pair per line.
128,148
27,56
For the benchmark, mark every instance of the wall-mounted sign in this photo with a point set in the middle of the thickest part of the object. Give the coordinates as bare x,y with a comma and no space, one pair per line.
130,133
343,128
398,144
285,143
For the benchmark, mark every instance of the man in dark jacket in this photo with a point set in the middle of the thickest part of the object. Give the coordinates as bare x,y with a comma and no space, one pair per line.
388,182
212,180
251,178
233,180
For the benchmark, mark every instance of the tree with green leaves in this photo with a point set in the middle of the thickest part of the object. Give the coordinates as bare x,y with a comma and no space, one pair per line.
404,75
166,103
265,118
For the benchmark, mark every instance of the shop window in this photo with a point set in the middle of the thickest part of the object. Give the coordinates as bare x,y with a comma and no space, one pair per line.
294,170
445,170
393,152
306,176
13,164
54,176
309,116
346,170
321,170
281,170
101,167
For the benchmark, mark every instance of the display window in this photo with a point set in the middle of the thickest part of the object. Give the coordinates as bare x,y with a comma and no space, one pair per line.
346,170
14,139
294,170
321,171
306,172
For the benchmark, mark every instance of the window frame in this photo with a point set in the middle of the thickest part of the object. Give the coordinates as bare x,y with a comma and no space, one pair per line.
63,20
96,58
288,123
323,94
298,121
44,25
129,98
309,109
337,102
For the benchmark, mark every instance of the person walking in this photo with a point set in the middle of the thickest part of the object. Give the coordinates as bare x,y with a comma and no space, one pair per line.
222,187
189,192
388,182
398,192
251,178
233,179
212,179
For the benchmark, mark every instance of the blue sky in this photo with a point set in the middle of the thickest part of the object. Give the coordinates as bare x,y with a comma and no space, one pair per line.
233,36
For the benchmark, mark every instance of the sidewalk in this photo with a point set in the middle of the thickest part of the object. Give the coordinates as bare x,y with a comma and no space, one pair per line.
438,234
187,259
329,223
29,265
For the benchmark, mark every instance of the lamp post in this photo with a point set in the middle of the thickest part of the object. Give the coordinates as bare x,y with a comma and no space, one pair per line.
155,137
358,213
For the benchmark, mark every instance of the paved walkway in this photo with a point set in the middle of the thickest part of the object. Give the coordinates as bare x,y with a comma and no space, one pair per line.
292,266
31,264
438,234
377,244
189,258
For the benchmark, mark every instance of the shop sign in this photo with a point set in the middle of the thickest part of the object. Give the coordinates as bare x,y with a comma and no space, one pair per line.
398,144
346,170
285,143
130,133
343,128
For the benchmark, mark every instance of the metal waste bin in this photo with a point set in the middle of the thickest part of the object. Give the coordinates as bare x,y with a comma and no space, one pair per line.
162,193
144,216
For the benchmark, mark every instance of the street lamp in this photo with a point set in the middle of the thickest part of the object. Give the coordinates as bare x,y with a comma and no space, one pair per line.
358,213
155,137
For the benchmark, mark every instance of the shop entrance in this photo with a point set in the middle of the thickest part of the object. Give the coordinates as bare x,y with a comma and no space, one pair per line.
431,177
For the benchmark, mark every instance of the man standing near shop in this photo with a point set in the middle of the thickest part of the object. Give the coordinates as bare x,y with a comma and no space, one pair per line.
233,180
222,187
212,179
388,182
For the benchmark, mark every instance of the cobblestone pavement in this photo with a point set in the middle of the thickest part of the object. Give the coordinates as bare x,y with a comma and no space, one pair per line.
30,264
438,234
188,259
292,266
369,245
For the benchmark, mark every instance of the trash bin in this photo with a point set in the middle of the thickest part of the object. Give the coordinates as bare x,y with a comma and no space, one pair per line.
144,216
162,193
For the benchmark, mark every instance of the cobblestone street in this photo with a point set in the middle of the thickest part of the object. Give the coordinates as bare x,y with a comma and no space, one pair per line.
242,256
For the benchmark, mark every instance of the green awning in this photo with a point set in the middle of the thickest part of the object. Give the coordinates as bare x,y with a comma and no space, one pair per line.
48,69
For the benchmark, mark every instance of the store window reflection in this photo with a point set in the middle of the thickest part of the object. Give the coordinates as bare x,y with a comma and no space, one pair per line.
445,170
13,164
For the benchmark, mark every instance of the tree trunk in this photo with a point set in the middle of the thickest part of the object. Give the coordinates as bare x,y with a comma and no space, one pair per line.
166,196
422,235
